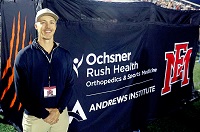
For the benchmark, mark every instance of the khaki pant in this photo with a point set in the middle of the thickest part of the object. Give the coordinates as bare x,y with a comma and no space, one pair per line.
34,124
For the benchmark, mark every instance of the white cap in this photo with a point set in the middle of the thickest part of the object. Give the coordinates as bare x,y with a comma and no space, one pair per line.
45,12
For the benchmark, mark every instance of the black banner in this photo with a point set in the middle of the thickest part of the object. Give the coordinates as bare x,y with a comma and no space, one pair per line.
195,1
17,32
133,61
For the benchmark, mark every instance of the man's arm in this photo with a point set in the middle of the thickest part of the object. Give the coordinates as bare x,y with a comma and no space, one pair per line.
68,91
53,116
21,80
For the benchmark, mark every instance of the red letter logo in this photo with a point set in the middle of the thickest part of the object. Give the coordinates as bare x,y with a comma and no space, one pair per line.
177,66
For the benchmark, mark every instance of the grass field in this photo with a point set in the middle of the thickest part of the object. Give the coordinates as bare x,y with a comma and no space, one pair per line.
186,120
5,127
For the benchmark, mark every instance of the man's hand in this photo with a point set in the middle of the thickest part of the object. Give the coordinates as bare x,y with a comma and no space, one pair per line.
53,116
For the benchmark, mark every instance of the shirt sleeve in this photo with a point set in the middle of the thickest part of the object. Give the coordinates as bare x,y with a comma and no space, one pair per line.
68,91
21,80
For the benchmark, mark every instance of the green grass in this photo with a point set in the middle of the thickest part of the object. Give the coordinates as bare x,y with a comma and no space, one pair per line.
5,127
186,120
196,76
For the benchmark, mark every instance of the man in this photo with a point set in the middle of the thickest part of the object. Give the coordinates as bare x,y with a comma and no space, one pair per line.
43,76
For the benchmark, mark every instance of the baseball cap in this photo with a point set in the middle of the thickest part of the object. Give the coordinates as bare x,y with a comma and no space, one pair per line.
45,12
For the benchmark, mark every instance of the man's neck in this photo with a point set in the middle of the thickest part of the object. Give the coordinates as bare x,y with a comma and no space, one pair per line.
46,44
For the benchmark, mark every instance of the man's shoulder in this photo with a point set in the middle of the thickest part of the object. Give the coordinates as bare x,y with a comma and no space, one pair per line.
24,51
63,50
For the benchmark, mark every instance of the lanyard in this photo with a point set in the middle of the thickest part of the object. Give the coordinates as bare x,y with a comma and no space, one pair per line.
50,67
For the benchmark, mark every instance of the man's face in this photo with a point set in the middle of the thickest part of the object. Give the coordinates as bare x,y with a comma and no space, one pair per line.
46,27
